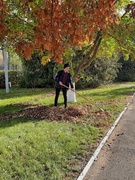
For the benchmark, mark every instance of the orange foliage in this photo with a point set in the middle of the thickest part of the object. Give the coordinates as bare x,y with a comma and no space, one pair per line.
64,24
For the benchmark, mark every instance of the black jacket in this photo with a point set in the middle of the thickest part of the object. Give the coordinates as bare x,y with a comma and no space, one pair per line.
59,77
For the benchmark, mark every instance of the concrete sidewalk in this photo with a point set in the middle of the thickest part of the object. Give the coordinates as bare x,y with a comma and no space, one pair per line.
116,160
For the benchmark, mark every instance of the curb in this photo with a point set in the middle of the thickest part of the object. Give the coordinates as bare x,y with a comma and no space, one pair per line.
97,151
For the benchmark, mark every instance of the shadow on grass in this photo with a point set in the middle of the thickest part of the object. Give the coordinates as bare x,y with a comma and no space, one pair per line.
16,92
36,113
11,115
15,108
13,122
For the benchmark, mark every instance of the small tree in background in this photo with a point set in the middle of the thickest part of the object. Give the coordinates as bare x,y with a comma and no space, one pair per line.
14,61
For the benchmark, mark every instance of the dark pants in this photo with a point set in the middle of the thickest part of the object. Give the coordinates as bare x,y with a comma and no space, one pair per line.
64,90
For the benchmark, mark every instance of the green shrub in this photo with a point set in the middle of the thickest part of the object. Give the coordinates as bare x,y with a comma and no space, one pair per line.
100,72
36,75
2,80
127,70
14,78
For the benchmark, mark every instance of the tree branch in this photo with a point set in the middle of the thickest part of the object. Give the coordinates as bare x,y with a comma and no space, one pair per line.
88,57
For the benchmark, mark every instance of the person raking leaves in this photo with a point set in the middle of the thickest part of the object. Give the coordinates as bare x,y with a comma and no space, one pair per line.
63,77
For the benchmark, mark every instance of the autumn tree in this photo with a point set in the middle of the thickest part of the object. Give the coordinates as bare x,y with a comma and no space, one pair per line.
56,25
116,40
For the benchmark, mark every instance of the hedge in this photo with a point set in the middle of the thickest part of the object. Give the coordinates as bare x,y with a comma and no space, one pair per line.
14,78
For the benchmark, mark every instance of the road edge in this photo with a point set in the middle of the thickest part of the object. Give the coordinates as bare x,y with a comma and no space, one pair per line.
97,151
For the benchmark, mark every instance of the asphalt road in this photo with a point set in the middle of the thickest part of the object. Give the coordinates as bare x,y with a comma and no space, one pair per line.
116,160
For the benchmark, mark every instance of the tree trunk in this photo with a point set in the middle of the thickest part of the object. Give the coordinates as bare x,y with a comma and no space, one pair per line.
86,58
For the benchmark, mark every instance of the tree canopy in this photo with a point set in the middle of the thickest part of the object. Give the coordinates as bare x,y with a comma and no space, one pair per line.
53,26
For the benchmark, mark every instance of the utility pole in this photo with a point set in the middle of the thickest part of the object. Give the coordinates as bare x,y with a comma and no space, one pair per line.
5,57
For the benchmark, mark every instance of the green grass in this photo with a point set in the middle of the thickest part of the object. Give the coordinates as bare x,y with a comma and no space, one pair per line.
33,149
41,150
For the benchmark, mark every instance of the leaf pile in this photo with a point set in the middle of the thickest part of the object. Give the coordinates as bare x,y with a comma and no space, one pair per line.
75,114
46,112
53,113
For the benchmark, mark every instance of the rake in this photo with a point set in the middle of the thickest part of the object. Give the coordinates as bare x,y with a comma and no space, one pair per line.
76,92
80,95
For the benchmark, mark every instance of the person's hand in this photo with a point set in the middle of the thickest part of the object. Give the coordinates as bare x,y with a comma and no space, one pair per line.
60,83
72,89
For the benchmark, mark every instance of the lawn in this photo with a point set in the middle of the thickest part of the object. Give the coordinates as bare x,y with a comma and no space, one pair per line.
39,141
